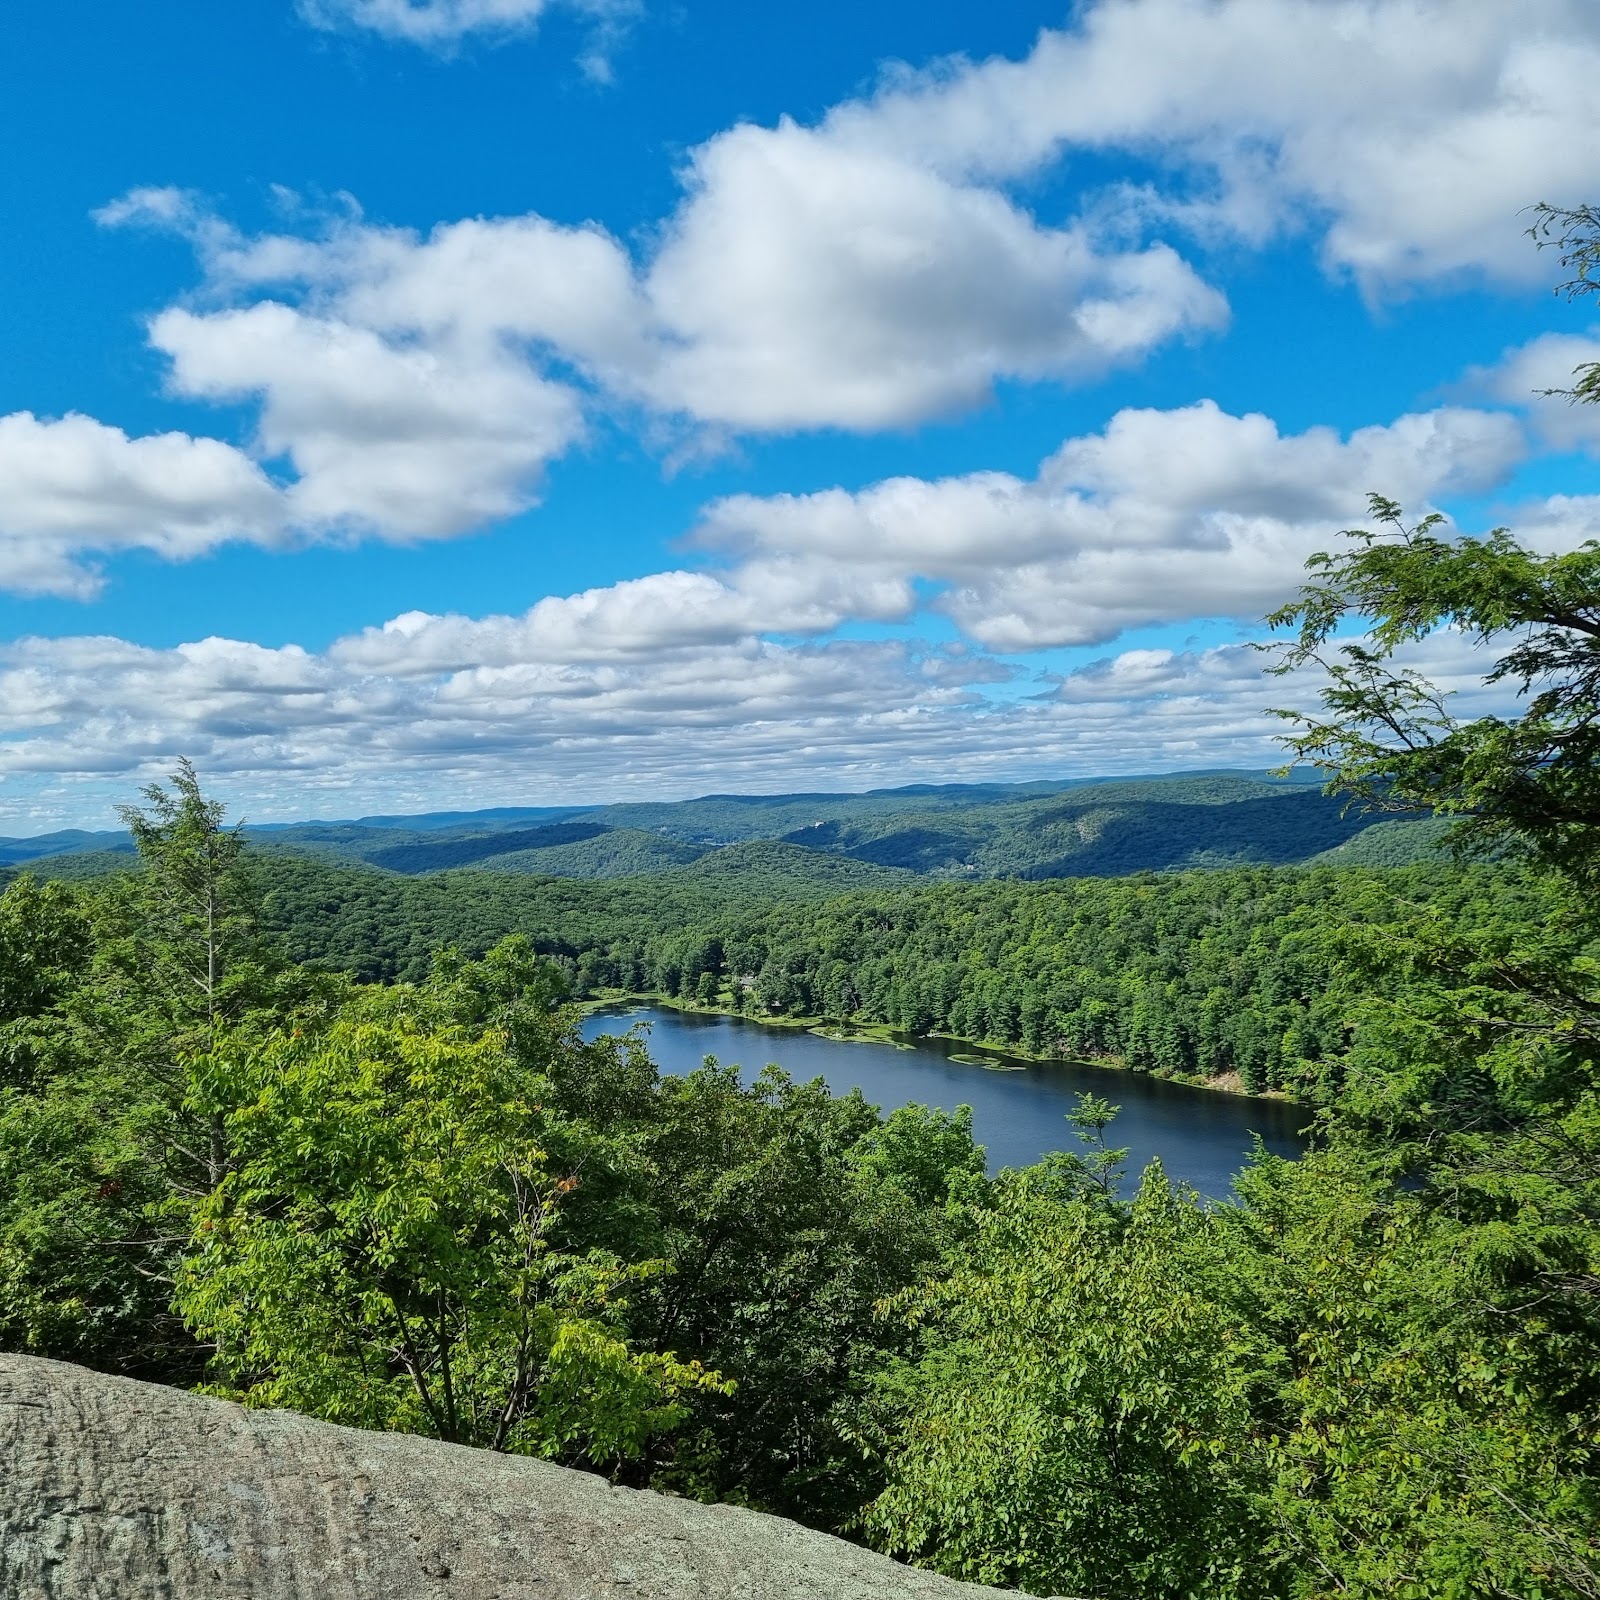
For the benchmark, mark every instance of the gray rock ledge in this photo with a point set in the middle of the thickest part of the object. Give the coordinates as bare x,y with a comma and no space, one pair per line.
115,1490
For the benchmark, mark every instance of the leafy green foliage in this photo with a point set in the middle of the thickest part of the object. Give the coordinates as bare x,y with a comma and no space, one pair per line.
44,945
82,1198
1387,734
379,1253
1333,1388
790,1214
1427,1423
101,1155
1079,1417
1574,233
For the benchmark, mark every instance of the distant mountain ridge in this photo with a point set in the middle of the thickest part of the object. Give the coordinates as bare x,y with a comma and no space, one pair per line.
73,841
1068,828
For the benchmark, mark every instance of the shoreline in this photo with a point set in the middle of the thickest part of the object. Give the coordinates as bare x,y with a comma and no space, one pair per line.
845,1031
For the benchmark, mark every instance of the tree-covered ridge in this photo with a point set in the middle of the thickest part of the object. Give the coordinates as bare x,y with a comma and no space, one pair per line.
1105,831
74,841
1080,830
462,852
382,926
1204,974
1397,843
607,853
960,832
1208,974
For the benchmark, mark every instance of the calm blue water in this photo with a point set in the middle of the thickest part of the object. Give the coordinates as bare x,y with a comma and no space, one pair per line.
1201,1136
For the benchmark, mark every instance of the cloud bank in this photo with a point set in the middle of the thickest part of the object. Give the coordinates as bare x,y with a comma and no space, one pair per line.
733,673
1162,517
284,732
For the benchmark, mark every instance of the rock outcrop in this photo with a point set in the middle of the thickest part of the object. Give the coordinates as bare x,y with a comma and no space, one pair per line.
115,1490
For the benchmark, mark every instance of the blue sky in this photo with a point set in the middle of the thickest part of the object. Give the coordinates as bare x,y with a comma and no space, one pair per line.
446,402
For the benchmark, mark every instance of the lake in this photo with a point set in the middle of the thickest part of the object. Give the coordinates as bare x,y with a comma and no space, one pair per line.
1202,1136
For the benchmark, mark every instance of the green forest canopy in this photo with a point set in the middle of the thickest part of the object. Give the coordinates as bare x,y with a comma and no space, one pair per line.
424,1202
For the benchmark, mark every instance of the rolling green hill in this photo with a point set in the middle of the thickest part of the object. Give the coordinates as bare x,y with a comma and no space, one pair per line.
1401,842
960,831
76,867
965,832
386,925
607,853
436,855
1102,832
785,868
69,841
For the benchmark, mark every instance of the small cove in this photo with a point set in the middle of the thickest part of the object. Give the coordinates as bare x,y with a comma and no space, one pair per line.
1019,1113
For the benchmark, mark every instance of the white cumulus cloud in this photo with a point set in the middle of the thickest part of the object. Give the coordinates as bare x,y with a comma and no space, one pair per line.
495,719
637,620
1163,516
808,281
73,488
1409,134
1526,375
402,440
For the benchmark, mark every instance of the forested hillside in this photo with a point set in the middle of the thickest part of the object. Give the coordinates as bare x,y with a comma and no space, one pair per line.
1225,973
14,852
605,853
987,832
1244,972
1390,844
963,832
382,926
1198,973
423,1202
1105,830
